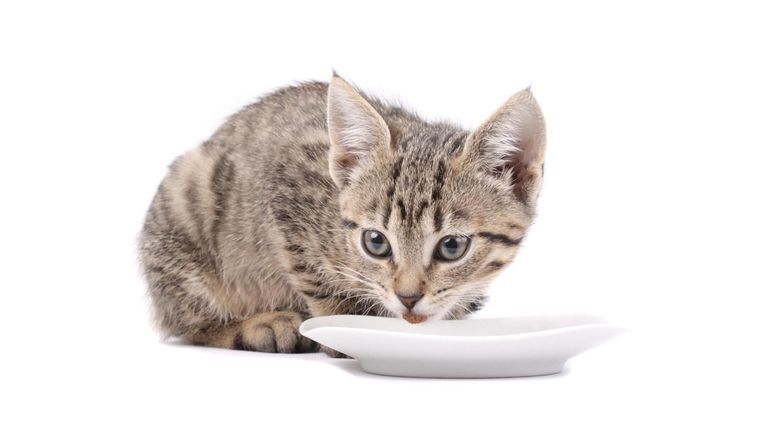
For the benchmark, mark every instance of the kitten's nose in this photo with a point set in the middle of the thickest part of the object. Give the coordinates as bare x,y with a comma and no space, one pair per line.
409,300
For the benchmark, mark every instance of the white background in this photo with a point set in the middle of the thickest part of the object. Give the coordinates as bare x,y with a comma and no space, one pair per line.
654,212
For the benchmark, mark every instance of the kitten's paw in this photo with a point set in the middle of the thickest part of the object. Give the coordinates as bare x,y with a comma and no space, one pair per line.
333,353
274,332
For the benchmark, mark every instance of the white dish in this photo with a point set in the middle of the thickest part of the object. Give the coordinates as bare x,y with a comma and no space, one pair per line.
503,347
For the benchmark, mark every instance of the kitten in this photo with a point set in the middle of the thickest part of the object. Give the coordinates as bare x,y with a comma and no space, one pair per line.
319,200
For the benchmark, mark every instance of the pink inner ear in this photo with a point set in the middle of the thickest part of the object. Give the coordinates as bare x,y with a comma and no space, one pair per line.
522,180
523,159
525,163
344,163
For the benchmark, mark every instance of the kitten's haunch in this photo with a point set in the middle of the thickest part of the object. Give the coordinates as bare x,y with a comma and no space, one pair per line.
319,200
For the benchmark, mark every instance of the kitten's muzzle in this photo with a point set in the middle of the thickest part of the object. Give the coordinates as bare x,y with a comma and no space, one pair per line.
409,300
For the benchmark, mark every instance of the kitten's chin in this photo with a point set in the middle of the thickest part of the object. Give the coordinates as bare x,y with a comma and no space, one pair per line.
414,318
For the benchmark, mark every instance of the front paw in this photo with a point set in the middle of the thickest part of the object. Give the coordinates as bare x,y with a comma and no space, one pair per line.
333,353
274,332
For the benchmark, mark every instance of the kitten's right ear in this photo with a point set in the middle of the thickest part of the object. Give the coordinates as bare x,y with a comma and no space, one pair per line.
355,130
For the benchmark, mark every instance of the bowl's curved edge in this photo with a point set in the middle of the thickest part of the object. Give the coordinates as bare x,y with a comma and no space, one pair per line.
409,370
319,335
575,340
339,321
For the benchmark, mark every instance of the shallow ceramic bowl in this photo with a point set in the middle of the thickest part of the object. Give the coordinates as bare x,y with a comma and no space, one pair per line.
502,347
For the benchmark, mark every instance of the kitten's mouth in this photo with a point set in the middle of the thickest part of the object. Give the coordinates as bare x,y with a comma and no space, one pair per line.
414,318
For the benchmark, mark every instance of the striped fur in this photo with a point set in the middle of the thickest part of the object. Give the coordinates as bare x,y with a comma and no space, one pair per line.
260,227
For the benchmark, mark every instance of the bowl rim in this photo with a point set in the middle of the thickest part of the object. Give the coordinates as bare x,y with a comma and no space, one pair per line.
321,323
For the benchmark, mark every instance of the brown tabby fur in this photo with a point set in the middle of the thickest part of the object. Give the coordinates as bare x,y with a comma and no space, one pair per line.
260,226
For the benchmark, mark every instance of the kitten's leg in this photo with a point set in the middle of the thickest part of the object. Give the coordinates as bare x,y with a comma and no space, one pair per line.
325,307
181,279
273,332
333,353
182,285
182,263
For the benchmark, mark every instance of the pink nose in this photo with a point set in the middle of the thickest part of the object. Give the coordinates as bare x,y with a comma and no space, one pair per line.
409,300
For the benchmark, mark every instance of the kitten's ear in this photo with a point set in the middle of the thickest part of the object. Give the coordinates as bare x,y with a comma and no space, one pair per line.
355,130
511,145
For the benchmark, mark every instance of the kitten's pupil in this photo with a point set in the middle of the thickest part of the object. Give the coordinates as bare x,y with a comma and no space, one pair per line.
451,245
375,243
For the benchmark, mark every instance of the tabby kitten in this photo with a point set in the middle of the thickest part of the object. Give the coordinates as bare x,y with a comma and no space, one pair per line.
319,200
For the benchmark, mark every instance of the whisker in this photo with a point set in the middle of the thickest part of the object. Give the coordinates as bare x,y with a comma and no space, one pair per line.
357,276
358,273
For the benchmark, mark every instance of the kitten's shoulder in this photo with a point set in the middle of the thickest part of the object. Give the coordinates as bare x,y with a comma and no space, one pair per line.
311,92
310,98
286,110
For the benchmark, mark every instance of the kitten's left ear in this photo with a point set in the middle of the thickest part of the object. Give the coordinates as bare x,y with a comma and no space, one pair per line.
355,130
511,145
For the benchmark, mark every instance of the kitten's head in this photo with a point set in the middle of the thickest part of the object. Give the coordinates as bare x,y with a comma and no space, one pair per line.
432,213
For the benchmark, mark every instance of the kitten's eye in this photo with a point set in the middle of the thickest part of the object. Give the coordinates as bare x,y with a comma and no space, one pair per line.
375,243
452,247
